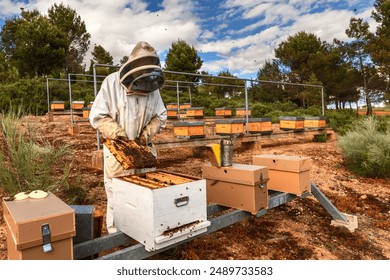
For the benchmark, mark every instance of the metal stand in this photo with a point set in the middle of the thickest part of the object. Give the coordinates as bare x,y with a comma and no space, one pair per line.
221,217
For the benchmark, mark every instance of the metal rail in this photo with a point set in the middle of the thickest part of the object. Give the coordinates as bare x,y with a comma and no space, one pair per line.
230,217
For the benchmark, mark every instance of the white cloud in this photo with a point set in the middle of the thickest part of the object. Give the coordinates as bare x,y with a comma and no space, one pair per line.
118,24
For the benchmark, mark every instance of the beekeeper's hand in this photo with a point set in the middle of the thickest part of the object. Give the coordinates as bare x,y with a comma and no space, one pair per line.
149,131
110,129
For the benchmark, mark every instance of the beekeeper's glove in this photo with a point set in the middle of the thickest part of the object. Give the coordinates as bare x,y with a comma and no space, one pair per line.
110,129
149,131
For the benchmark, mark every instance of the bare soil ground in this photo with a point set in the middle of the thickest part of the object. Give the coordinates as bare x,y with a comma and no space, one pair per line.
298,230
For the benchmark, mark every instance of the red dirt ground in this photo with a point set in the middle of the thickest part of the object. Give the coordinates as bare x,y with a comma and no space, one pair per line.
298,230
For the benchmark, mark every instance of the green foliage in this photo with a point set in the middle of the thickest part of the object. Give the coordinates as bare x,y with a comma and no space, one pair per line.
33,45
71,24
341,121
30,94
182,57
28,161
366,148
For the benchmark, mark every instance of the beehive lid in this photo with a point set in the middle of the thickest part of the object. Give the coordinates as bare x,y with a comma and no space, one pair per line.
283,162
223,108
237,173
195,108
179,124
316,118
292,118
77,102
229,121
57,102
259,120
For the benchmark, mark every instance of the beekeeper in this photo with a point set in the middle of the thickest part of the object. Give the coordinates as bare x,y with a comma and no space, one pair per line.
129,105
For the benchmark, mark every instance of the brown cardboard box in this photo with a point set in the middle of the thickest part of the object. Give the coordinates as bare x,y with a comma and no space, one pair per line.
286,173
239,186
24,220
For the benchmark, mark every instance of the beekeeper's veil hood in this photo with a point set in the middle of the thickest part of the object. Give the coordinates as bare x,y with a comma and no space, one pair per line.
142,71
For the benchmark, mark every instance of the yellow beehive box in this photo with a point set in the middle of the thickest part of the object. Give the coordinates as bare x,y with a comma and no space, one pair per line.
57,105
172,113
77,105
188,129
230,126
185,106
241,112
172,106
86,111
315,122
195,112
223,112
260,125
292,123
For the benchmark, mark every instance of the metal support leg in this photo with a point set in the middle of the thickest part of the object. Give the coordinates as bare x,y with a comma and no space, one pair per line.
332,210
340,219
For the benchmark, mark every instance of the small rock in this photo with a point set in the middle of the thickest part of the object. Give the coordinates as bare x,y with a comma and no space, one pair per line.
364,196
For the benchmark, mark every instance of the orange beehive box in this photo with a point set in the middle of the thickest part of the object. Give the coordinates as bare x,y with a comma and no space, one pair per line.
315,122
292,123
31,220
289,174
57,105
240,112
185,106
229,126
260,125
188,129
172,113
77,105
172,106
86,111
239,186
90,104
195,112
223,112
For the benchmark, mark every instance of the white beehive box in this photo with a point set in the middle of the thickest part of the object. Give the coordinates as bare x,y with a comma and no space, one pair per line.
156,215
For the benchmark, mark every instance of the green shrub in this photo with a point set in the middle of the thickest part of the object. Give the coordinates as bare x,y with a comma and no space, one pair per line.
341,120
366,148
28,162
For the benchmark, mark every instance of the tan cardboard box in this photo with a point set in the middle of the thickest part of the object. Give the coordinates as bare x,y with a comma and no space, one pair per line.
24,220
286,173
238,186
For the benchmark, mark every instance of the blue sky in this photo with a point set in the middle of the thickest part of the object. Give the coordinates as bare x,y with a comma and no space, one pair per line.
230,35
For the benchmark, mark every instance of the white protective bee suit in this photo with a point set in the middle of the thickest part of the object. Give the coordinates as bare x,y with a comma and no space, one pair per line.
129,105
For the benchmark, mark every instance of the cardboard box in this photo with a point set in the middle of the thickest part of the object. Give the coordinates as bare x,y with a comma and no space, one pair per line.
195,112
289,174
189,129
229,126
24,221
260,125
315,122
160,208
239,186
292,123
